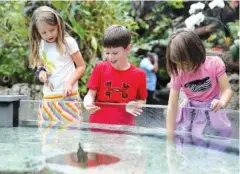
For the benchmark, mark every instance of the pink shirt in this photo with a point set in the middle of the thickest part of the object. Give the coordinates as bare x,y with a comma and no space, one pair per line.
203,84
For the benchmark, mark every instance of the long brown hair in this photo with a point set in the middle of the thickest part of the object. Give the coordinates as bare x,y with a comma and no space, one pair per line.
51,17
184,48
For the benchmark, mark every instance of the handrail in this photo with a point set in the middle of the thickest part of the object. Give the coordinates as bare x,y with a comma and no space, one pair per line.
141,105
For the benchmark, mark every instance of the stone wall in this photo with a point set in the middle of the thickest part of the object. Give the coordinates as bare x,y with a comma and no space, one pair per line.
33,92
234,82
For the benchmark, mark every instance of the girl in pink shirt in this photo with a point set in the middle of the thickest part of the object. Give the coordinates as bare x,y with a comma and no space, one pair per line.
204,82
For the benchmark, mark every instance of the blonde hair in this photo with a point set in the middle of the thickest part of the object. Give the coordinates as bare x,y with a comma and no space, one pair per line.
51,17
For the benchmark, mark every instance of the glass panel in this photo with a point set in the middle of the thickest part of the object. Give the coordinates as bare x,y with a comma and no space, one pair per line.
153,116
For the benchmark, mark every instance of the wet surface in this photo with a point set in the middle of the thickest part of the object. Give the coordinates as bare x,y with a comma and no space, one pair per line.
83,159
78,149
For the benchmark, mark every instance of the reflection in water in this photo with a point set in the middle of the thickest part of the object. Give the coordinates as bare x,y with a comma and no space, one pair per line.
219,144
187,154
182,160
180,139
203,121
83,159
141,151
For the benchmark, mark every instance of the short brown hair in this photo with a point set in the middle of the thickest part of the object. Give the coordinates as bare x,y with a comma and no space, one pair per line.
116,36
184,45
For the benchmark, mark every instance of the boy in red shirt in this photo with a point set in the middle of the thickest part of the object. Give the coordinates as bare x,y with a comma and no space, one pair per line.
115,81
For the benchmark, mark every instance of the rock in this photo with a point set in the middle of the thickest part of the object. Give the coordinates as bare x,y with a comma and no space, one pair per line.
38,88
25,90
15,89
38,96
21,89
234,82
32,86
234,103
4,90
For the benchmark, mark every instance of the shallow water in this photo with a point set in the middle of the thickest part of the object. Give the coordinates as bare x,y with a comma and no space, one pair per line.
130,150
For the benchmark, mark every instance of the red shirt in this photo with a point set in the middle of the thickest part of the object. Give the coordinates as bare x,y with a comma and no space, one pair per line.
115,86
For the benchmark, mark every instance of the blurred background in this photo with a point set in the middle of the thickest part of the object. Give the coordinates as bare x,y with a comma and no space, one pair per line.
151,23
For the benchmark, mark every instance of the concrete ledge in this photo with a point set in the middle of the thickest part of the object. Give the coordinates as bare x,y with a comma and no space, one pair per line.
9,109
11,98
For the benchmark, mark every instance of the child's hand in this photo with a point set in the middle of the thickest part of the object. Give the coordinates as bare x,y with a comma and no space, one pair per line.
67,91
43,76
92,108
134,108
216,105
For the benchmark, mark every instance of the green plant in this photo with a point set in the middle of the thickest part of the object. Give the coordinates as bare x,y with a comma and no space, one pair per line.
87,21
156,26
234,41
218,40
176,4
14,42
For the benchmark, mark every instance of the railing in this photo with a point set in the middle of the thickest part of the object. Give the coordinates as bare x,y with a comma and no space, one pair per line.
153,116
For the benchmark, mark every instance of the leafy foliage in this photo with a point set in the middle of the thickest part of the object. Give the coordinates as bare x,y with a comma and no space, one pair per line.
14,42
86,22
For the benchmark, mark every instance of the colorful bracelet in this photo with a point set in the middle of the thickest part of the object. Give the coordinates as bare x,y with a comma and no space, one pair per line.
41,68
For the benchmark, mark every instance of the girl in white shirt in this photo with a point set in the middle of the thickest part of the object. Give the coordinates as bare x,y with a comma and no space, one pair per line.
54,53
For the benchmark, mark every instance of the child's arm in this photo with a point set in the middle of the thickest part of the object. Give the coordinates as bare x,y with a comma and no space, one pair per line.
172,109
89,100
80,68
226,94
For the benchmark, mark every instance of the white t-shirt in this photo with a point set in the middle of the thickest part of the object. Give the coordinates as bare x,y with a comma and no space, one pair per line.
60,65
